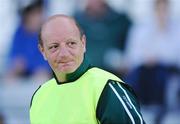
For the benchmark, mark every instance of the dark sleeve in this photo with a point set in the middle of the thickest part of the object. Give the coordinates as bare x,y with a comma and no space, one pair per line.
118,105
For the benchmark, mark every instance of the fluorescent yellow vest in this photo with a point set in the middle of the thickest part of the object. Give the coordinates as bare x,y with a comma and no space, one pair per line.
70,103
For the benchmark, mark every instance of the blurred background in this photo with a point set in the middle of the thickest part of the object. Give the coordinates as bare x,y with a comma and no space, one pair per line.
138,40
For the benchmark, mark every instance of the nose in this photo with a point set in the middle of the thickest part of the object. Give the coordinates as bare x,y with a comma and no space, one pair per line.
63,52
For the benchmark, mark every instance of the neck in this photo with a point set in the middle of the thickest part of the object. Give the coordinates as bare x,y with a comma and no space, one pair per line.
61,77
65,78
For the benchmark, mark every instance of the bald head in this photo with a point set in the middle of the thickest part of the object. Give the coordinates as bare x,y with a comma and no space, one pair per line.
62,23
62,45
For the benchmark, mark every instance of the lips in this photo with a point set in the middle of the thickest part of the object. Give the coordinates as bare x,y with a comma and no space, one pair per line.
65,62
62,62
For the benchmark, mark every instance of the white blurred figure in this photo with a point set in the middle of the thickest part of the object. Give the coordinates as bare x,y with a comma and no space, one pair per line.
156,41
61,7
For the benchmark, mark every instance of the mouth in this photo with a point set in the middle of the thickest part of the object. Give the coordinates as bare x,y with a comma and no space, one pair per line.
65,66
65,62
62,62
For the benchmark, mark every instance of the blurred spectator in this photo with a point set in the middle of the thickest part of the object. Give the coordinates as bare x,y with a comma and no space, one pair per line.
53,7
1,119
152,56
25,59
106,32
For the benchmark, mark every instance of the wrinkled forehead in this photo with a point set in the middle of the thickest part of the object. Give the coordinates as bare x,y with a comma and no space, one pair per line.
59,28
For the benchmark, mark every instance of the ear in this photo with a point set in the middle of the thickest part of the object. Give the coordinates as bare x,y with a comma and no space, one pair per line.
84,42
41,49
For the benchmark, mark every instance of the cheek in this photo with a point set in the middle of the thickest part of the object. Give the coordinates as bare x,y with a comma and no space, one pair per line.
52,58
80,54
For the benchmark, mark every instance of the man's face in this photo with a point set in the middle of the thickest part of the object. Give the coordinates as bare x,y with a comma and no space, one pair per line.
62,46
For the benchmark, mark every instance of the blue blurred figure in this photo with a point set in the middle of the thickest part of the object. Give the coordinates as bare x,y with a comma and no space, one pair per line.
25,59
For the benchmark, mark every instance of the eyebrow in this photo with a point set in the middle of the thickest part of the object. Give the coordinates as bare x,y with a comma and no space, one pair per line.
67,40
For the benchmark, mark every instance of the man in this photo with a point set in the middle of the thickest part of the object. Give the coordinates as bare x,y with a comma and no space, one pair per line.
78,93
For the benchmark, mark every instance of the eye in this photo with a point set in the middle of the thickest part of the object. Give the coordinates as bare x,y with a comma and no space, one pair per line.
71,43
53,47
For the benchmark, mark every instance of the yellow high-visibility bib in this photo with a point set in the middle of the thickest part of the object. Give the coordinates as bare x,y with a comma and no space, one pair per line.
72,102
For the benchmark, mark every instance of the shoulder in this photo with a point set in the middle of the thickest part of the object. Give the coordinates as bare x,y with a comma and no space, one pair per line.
120,87
41,89
47,85
99,73
98,80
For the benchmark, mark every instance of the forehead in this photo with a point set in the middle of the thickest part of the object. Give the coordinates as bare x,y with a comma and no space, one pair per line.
59,29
